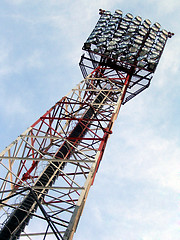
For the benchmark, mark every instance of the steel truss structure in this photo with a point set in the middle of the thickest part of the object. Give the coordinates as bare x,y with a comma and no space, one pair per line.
46,173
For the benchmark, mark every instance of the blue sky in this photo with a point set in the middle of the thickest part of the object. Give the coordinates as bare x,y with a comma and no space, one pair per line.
136,192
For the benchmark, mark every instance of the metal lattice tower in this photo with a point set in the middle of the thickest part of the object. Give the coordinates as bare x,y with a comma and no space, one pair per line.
46,173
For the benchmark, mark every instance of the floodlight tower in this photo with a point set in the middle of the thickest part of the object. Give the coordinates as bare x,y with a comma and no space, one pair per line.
46,173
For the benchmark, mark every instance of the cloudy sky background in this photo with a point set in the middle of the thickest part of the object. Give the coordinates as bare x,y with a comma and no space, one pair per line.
136,192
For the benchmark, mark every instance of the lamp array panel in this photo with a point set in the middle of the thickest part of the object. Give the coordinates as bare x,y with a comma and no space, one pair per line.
128,39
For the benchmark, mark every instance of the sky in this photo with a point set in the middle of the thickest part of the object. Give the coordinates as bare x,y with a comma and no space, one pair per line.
136,192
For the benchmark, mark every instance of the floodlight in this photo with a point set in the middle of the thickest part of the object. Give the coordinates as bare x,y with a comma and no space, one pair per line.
102,25
98,28
102,44
111,47
116,16
98,32
136,22
113,21
107,13
155,29
145,25
119,12
139,37
117,39
157,25
102,20
165,32
123,45
92,40
144,30
154,56
133,49
112,42
126,19
158,47
129,15
152,36
137,41
142,33
126,38
163,36
138,18
117,34
107,35
123,26
102,39
147,21
131,30
162,40
160,44
155,52
144,51
111,27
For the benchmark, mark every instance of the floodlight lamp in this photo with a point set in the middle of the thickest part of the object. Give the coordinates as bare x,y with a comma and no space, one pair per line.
123,45
158,48
98,32
165,32
136,22
107,35
102,39
138,18
129,15
102,25
155,29
160,44
152,61
144,29
131,55
147,21
144,51
123,27
117,39
126,38
92,40
119,12
101,44
112,43
102,20
137,41
139,38
111,48
111,27
98,28
133,49
157,25
152,36
145,25
142,33
126,19
117,34
153,56
149,41
116,16
107,13
163,36
161,40
155,52
148,45
130,31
